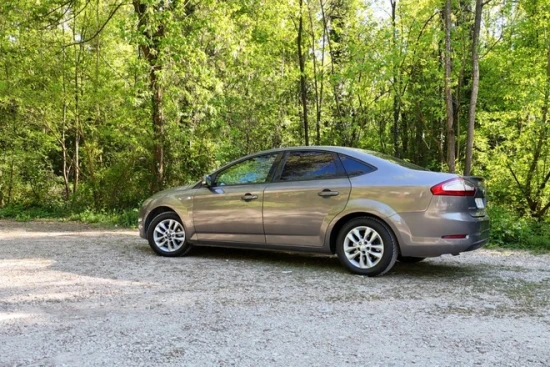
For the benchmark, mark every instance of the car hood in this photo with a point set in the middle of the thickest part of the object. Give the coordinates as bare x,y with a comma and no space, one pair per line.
168,192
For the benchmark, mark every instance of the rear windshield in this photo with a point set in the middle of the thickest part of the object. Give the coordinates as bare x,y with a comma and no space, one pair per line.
397,161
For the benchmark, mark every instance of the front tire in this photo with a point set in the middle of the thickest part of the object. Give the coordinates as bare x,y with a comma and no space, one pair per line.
366,246
166,235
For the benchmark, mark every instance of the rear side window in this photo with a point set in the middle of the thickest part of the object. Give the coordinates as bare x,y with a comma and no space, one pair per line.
355,167
309,166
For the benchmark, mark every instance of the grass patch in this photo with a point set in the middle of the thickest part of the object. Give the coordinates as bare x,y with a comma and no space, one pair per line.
125,218
122,218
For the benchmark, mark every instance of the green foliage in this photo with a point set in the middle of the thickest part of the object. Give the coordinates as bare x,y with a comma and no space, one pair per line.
510,230
24,213
123,218
77,98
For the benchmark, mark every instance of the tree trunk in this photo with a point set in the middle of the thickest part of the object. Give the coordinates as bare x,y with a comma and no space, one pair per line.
63,141
13,112
77,52
158,127
475,88
448,96
303,86
396,87
464,75
91,161
150,49
318,90
335,59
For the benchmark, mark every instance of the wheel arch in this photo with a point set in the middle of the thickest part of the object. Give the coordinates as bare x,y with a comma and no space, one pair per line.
153,213
346,218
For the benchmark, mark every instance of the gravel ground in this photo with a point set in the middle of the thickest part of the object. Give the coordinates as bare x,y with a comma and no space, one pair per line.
75,295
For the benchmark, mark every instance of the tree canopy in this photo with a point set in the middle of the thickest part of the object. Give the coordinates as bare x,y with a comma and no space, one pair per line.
104,101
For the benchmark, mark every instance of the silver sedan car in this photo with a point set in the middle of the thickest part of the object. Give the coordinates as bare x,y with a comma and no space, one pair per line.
369,209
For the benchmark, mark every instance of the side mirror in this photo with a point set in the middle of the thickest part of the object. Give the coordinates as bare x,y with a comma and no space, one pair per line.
207,181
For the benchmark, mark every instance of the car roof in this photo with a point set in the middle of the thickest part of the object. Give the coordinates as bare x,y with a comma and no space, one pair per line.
366,156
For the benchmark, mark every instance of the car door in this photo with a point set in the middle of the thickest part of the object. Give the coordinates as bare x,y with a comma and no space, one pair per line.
309,190
230,210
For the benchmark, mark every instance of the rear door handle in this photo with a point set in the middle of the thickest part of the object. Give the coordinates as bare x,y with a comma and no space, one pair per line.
248,197
328,192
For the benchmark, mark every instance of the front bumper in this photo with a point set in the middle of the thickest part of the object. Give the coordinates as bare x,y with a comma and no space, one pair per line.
141,221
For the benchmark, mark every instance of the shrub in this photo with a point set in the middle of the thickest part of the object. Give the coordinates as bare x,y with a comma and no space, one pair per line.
22,213
510,230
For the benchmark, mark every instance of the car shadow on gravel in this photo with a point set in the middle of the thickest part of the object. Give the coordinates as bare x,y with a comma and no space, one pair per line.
270,258
315,262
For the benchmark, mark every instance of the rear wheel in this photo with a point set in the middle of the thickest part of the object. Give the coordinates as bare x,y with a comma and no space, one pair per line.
166,235
366,246
409,259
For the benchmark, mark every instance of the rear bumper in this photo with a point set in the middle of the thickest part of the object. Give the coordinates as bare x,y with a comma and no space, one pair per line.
420,236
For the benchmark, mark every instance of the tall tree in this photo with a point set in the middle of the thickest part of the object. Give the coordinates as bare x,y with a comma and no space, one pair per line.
531,190
318,73
152,30
475,89
450,134
302,63
395,82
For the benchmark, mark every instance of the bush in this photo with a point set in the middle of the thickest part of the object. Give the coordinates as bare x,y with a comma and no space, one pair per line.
510,230
22,213
125,218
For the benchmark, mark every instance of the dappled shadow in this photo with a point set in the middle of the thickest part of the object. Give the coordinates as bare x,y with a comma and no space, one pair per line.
432,269
74,292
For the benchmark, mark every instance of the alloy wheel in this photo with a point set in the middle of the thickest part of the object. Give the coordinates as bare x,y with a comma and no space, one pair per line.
363,247
169,235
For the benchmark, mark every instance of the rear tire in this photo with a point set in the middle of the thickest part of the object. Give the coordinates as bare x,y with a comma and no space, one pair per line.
366,246
166,235
409,259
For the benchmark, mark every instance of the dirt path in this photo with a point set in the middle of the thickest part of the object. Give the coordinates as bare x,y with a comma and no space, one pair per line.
74,295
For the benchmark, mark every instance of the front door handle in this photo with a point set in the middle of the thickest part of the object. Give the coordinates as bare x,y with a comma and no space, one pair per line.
248,197
328,192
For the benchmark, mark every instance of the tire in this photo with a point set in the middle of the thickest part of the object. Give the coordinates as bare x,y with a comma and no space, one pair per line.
166,235
366,246
409,259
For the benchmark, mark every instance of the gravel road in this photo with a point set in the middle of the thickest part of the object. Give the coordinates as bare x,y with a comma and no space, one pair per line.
75,295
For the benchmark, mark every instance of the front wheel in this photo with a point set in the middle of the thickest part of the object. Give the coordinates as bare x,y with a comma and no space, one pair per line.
366,246
166,235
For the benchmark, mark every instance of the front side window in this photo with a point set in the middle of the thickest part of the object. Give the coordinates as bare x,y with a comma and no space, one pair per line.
309,166
252,171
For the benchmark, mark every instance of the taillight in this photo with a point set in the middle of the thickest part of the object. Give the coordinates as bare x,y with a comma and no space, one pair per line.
454,187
